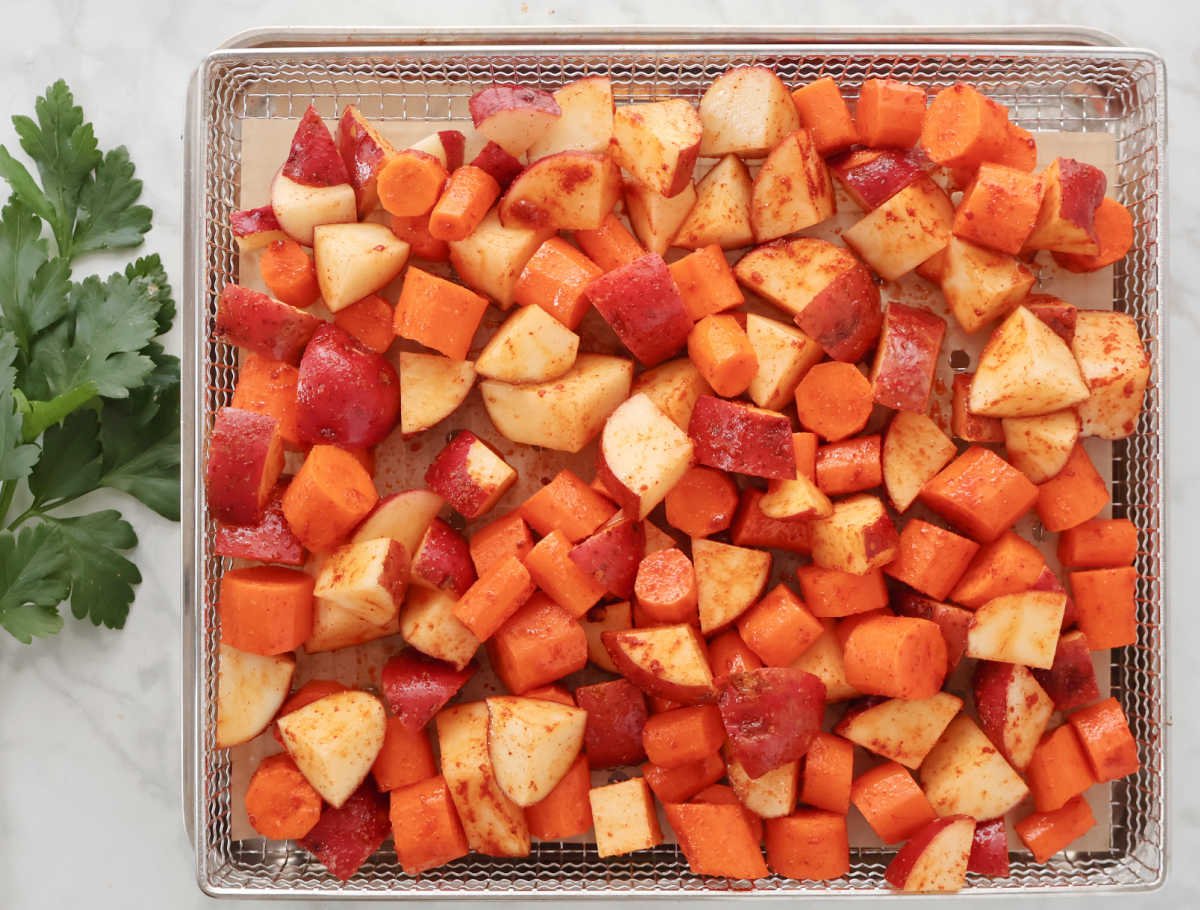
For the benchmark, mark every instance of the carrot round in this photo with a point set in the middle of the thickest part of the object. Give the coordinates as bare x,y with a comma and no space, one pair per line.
665,587
702,502
890,113
370,321
280,803
896,656
1114,229
289,273
410,183
963,128
721,351
683,735
469,194
834,400
265,609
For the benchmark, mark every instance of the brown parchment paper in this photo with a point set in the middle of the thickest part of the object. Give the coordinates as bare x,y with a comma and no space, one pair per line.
401,463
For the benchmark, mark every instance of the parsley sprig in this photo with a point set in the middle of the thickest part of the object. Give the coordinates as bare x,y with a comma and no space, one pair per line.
88,398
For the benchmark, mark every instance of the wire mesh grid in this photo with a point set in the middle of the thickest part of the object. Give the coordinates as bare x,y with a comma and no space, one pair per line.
1118,92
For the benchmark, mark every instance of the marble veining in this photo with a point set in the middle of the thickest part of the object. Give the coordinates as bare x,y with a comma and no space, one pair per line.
90,805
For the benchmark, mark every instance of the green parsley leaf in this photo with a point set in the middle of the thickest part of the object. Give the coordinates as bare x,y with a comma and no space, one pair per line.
63,147
16,459
113,321
70,464
149,276
33,287
139,437
33,581
102,579
109,218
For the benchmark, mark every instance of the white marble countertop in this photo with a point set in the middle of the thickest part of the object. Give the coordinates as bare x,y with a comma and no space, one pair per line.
90,812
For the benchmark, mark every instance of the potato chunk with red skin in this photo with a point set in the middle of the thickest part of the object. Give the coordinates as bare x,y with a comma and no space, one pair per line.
245,458
737,437
771,715
642,305
252,320
346,395
416,687
469,475
344,838
906,359
616,715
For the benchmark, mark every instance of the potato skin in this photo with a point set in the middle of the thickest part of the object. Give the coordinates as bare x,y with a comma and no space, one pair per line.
347,395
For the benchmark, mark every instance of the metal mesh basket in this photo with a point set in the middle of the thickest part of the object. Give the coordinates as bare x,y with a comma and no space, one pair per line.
1047,85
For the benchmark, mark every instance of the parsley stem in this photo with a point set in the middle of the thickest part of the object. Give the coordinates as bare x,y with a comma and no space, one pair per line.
8,489
24,517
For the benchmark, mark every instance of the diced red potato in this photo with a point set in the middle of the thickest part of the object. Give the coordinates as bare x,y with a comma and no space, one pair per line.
642,305
254,229
345,837
513,116
771,715
733,436
664,661
873,176
271,539
252,320
616,714
364,152
245,458
443,560
469,475
347,395
416,686
611,556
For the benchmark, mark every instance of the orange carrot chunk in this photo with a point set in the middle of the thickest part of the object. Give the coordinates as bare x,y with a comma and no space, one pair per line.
280,803
1045,833
823,111
1106,606
683,735
425,826
569,505
1059,769
674,785
552,569
963,128
467,197
896,656
438,313
716,840
494,598
721,351
1101,543
331,494
1106,739
834,400
999,208
706,282
410,183
554,279
504,537
891,802
611,245
370,321
930,559
849,466
828,773
265,609
831,593
779,628
289,273
890,113
564,811
980,493
665,587
540,643
267,386
406,757
702,502
1074,495
810,845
